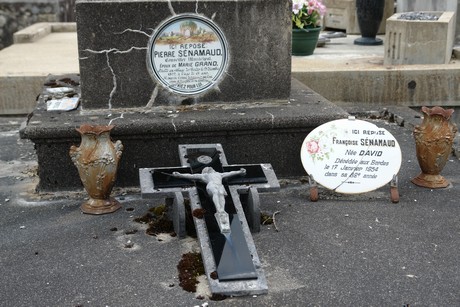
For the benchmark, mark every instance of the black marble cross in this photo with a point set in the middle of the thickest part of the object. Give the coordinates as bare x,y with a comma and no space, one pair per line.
234,258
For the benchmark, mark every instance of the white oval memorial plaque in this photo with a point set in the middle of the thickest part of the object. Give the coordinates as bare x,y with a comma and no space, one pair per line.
187,54
351,156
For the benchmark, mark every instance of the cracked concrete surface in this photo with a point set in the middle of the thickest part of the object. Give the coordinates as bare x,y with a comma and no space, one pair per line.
342,250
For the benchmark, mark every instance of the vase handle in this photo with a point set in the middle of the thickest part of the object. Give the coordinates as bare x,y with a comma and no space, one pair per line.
74,153
118,148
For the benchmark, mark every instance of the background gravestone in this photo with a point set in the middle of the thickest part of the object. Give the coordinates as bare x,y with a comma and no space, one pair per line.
419,41
113,39
433,5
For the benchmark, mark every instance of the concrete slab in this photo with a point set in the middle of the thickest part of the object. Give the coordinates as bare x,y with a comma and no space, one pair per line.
250,132
24,67
22,73
340,251
360,77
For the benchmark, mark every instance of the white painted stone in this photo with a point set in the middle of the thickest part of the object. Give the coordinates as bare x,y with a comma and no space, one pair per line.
351,156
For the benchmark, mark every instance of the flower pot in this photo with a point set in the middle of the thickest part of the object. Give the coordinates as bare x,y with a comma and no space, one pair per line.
304,40
369,14
97,162
433,143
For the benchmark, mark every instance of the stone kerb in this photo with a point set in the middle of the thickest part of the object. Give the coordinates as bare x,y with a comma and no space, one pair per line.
419,41
113,40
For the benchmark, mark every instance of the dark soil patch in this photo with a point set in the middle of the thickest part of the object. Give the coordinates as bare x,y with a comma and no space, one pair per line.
157,221
217,297
190,267
213,275
199,213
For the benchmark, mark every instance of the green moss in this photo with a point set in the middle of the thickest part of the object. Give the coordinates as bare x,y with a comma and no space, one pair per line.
158,210
266,219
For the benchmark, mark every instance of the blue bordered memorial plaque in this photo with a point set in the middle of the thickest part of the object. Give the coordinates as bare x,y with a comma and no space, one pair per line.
187,54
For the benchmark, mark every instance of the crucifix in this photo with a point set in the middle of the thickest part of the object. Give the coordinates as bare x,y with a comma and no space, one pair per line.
228,197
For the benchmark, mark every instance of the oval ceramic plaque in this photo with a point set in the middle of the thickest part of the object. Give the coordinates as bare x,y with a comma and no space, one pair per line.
351,156
188,54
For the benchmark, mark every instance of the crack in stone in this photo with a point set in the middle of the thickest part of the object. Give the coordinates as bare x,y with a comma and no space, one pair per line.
114,77
174,125
226,72
153,97
119,117
171,9
115,50
135,31
196,7
273,118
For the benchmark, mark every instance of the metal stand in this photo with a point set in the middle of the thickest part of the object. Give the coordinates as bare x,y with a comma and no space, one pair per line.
394,192
314,196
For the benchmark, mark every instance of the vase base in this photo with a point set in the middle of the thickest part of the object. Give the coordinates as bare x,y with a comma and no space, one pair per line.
368,41
100,206
430,181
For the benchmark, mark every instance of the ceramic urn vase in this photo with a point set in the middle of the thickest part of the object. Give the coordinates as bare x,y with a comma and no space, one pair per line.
433,142
97,160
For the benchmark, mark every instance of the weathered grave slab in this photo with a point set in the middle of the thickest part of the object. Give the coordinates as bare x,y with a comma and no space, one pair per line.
419,41
116,72
168,72
261,131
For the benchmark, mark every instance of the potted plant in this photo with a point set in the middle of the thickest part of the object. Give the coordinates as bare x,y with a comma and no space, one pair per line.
306,25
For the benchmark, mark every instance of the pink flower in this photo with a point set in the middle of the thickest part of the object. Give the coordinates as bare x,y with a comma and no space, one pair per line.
307,13
296,7
313,147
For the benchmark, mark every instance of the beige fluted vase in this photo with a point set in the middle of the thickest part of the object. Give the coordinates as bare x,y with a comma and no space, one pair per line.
97,160
433,143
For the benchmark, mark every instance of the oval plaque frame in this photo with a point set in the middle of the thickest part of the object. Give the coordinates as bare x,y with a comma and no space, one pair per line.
351,156
188,54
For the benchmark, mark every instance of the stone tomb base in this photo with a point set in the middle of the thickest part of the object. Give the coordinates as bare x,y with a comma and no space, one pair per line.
256,132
